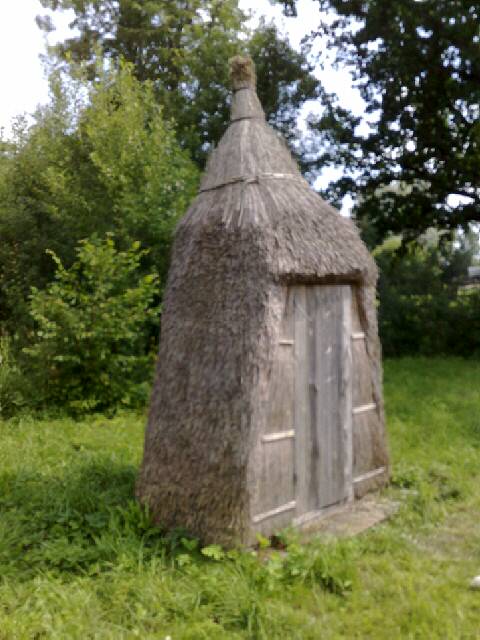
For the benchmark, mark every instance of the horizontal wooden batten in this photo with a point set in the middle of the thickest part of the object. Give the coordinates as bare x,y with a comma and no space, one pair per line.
311,516
369,475
287,343
280,435
364,408
290,506
358,336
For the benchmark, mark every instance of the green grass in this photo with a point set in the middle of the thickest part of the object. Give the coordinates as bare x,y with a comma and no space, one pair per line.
79,559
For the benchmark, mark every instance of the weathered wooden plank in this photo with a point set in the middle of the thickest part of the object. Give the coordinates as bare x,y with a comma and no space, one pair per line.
329,345
362,378
368,447
337,457
364,408
277,479
371,474
366,430
275,512
358,336
287,335
313,431
323,348
324,425
281,435
346,394
281,397
276,444
323,405
357,326
301,413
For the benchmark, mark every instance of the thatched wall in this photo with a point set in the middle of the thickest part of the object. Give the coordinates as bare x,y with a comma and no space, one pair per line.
255,227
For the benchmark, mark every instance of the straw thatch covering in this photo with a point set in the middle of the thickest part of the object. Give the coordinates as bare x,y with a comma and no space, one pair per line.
255,227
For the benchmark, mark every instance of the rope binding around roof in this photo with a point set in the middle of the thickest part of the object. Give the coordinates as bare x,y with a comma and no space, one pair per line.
256,179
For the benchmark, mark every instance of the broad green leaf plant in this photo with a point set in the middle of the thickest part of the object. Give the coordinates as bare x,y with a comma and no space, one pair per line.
89,350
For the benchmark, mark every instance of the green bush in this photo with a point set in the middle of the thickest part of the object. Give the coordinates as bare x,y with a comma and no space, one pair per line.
100,157
423,307
89,350
12,391
464,327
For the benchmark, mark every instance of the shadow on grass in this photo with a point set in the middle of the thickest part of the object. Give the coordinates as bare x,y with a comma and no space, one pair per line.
84,521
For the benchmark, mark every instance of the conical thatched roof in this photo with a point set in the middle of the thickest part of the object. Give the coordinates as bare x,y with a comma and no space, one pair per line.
254,226
252,180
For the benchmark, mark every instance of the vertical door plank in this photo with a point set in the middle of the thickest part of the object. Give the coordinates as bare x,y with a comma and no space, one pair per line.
301,411
346,392
314,409
329,341
338,427
326,329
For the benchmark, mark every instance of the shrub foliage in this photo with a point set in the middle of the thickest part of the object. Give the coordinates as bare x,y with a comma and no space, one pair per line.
89,347
425,306
99,158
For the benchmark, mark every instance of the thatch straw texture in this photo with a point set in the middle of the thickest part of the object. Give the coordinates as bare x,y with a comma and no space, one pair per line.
255,226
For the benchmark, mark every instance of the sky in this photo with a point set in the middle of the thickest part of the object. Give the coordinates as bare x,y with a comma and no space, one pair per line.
22,80
22,77
24,83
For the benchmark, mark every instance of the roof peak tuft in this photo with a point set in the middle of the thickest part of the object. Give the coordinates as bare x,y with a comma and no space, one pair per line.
242,73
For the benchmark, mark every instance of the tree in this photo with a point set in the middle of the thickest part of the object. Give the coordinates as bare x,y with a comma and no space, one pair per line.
183,48
89,350
417,66
424,307
285,81
98,158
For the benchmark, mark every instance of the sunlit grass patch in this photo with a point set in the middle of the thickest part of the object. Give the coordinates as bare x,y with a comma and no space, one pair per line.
80,559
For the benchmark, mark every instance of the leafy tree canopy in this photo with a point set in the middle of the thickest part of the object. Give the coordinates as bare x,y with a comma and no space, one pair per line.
417,66
184,48
99,158
424,305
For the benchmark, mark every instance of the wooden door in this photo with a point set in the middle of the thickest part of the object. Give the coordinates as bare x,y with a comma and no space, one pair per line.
322,397
305,452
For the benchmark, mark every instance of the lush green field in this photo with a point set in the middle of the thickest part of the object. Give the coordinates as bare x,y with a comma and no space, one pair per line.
78,559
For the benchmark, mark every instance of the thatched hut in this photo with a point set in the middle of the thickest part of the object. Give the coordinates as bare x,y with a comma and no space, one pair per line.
267,408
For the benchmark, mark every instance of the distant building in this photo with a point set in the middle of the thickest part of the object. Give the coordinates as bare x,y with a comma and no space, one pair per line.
474,273
472,281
